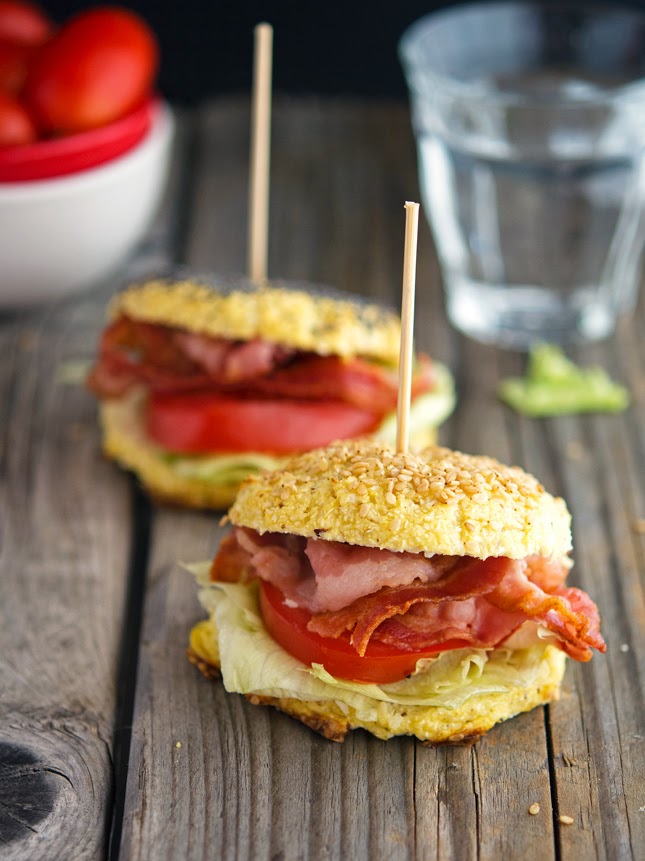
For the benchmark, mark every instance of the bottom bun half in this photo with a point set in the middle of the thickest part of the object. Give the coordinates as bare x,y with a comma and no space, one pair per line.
463,695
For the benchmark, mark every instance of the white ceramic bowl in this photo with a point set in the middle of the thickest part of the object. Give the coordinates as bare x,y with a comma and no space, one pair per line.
58,236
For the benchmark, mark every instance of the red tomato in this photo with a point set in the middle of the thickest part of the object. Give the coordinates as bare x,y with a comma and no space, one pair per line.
381,663
14,66
16,126
23,23
202,422
98,68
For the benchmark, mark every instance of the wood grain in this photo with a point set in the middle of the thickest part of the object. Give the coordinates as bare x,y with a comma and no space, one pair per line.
63,555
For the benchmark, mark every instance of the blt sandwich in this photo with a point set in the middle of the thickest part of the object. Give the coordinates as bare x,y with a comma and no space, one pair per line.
421,594
202,384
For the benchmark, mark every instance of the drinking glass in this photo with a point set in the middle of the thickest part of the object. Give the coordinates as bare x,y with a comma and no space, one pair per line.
530,127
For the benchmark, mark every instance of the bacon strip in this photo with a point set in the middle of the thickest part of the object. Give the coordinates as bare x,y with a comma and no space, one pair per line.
467,579
131,353
331,378
569,613
232,562
473,620
411,601
174,361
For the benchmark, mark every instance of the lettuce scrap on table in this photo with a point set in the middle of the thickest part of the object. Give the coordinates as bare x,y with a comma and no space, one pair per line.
555,386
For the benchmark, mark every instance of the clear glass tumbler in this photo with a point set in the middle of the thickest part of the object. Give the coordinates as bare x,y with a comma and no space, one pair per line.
530,127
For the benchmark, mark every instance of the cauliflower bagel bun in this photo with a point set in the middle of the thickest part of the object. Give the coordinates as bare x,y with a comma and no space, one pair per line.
419,594
203,384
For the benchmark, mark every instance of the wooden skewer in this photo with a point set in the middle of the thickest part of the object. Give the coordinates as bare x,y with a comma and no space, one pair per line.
258,233
407,325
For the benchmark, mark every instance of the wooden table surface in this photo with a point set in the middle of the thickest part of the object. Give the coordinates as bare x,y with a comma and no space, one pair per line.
112,745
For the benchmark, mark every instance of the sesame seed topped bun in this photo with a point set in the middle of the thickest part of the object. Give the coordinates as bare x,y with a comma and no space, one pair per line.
321,320
437,501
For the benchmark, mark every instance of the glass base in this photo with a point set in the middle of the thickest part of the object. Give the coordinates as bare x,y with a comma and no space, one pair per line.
520,316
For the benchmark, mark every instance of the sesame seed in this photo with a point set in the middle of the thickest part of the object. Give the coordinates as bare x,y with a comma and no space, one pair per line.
361,471
534,809
566,820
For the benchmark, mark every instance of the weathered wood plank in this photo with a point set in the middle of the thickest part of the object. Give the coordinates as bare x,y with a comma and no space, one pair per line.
63,556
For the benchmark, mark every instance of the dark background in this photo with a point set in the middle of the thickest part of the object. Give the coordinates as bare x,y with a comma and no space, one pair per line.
328,48
319,47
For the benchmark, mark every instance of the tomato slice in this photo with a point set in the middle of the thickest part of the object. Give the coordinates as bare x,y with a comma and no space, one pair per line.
381,663
201,422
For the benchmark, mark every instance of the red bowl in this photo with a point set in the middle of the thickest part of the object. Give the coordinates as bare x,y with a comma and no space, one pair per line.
61,156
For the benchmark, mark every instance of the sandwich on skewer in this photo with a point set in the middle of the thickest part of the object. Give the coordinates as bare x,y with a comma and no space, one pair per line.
201,385
419,594
366,586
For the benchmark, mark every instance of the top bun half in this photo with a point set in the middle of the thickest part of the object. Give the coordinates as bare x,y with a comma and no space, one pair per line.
316,319
437,501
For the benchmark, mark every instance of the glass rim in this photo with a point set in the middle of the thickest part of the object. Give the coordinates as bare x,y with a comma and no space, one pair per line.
632,90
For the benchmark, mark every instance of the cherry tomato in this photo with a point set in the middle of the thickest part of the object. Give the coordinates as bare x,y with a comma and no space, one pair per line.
381,663
98,68
16,126
208,423
14,66
23,23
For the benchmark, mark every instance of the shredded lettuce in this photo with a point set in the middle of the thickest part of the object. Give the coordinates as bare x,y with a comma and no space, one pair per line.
221,469
252,662
554,386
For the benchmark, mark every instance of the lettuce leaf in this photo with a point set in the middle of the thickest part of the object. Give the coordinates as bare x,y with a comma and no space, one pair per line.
219,468
555,386
252,662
